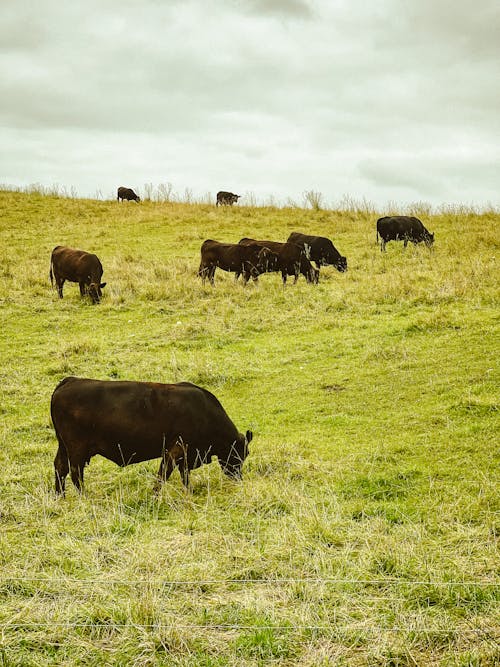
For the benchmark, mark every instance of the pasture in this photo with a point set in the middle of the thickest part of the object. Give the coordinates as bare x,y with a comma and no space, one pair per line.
365,530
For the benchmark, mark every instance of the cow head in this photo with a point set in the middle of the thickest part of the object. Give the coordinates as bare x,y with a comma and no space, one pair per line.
237,455
137,198
428,239
340,263
94,291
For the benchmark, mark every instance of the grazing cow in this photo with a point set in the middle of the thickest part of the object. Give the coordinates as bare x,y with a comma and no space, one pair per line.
129,422
291,260
77,266
319,250
402,228
250,260
226,198
128,194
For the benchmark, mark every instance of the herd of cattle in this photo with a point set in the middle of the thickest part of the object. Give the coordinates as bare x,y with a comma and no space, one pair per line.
251,258
182,424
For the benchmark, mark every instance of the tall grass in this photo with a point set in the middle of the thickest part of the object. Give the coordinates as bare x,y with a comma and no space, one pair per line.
365,531
313,199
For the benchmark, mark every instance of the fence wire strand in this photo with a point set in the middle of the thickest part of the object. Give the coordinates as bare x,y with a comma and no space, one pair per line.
277,582
236,626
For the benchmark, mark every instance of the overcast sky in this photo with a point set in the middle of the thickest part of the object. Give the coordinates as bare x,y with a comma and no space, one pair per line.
390,100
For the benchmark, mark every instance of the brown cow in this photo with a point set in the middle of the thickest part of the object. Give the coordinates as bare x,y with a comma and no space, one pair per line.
291,260
402,228
129,422
127,194
319,250
226,198
77,266
249,260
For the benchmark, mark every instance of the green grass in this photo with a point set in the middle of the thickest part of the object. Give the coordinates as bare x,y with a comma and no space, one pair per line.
365,531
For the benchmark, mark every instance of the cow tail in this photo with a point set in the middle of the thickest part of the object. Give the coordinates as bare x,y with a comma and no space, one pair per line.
51,275
378,243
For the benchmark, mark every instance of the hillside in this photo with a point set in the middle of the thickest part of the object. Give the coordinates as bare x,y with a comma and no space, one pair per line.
365,531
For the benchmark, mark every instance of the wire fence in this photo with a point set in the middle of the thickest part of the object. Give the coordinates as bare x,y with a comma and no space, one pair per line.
236,626
277,581
334,631
489,633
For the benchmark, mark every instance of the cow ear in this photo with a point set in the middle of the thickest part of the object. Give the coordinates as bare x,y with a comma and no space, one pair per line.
102,285
248,436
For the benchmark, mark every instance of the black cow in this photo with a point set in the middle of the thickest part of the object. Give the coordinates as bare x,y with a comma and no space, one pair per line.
127,193
319,250
402,228
291,260
129,422
76,266
226,198
250,260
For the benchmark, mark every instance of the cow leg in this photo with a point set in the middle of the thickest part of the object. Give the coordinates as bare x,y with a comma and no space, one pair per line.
202,272
167,464
76,469
59,285
179,453
206,272
61,467
83,289
174,456
251,272
405,242
283,277
382,246
184,470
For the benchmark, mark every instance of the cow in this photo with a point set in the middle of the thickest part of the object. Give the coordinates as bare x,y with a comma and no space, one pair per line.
226,198
291,260
128,194
250,260
402,228
76,266
319,250
129,422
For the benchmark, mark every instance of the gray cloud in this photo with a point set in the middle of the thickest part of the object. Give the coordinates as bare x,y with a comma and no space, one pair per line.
357,98
282,8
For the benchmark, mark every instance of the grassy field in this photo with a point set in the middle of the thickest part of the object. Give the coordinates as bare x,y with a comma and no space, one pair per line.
366,528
